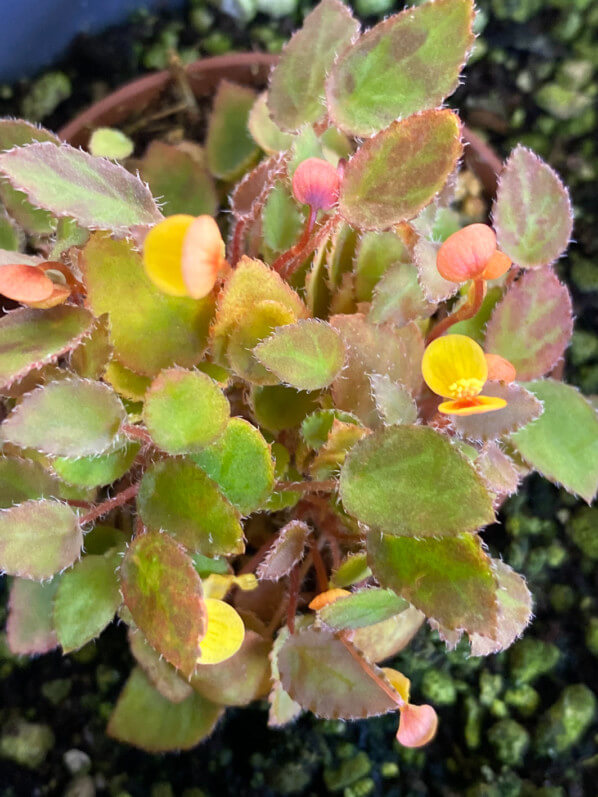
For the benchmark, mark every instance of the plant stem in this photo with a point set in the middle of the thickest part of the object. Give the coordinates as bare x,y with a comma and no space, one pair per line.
294,585
112,503
467,310
236,242
319,566
309,487
286,257
138,432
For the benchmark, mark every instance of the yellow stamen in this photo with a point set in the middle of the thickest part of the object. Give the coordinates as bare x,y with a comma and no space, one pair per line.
465,388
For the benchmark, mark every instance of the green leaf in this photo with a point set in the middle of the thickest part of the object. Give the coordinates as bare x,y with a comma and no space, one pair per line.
363,608
95,192
376,253
177,497
394,403
380,641
179,180
163,592
282,219
150,331
532,325
108,142
563,443
69,418
408,63
278,407
91,357
353,570
532,212
144,718
230,149
185,411
450,580
307,355
241,465
30,623
22,479
285,552
296,93
38,539
86,601
522,408
126,382
160,673
397,172
265,132
317,426
434,287
320,672
375,349
327,462
98,470
410,481
31,338
398,297
19,132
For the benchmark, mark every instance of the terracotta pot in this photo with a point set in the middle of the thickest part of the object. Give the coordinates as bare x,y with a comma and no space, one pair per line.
204,76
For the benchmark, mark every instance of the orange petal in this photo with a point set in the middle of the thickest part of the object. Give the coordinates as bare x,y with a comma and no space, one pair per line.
316,183
25,283
417,725
465,253
202,256
324,598
500,369
472,406
498,265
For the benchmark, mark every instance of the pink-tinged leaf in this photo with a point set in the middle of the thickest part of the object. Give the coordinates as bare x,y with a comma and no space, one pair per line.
394,403
146,719
96,192
399,297
38,539
94,411
32,338
522,408
563,443
296,93
283,708
8,256
163,592
374,349
400,170
434,287
322,673
22,479
417,725
162,675
30,626
239,680
18,132
514,612
286,551
411,481
532,325
403,65
449,579
252,191
532,212
497,470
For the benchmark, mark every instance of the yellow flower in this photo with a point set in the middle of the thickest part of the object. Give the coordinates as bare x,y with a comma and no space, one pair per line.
224,635
455,367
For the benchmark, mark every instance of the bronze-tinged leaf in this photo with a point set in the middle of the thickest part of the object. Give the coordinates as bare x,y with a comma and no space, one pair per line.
30,623
522,408
532,325
498,471
532,212
381,641
450,580
296,93
163,592
405,64
410,481
399,171
286,551
160,673
146,719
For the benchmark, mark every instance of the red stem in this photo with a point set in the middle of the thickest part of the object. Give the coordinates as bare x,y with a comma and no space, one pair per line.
467,310
294,585
286,257
309,486
137,432
236,243
320,567
112,503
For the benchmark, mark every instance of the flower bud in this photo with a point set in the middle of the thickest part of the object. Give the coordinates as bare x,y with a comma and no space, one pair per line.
316,183
465,254
24,283
500,369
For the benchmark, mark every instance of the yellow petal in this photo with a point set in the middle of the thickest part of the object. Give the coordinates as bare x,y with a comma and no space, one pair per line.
163,251
398,681
473,406
224,635
451,358
217,585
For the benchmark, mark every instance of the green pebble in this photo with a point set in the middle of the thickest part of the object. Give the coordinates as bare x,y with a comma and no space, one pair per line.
277,8
439,688
360,789
555,554
389,769
45,95
530,658
564,724
523,698
241,10
201,19
516,10
583,530
510,741
584,274
373,7
57,690
162,790
562,597
562,103
473,722
26,743
592,636
490,687
521,525
575,74
498,709
217,43
349,771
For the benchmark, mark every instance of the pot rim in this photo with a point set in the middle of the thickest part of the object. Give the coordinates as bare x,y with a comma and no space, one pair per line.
248,68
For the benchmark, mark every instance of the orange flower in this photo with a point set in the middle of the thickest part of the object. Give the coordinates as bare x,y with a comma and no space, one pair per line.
471,253
500,369
30,285
417,724
455,367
